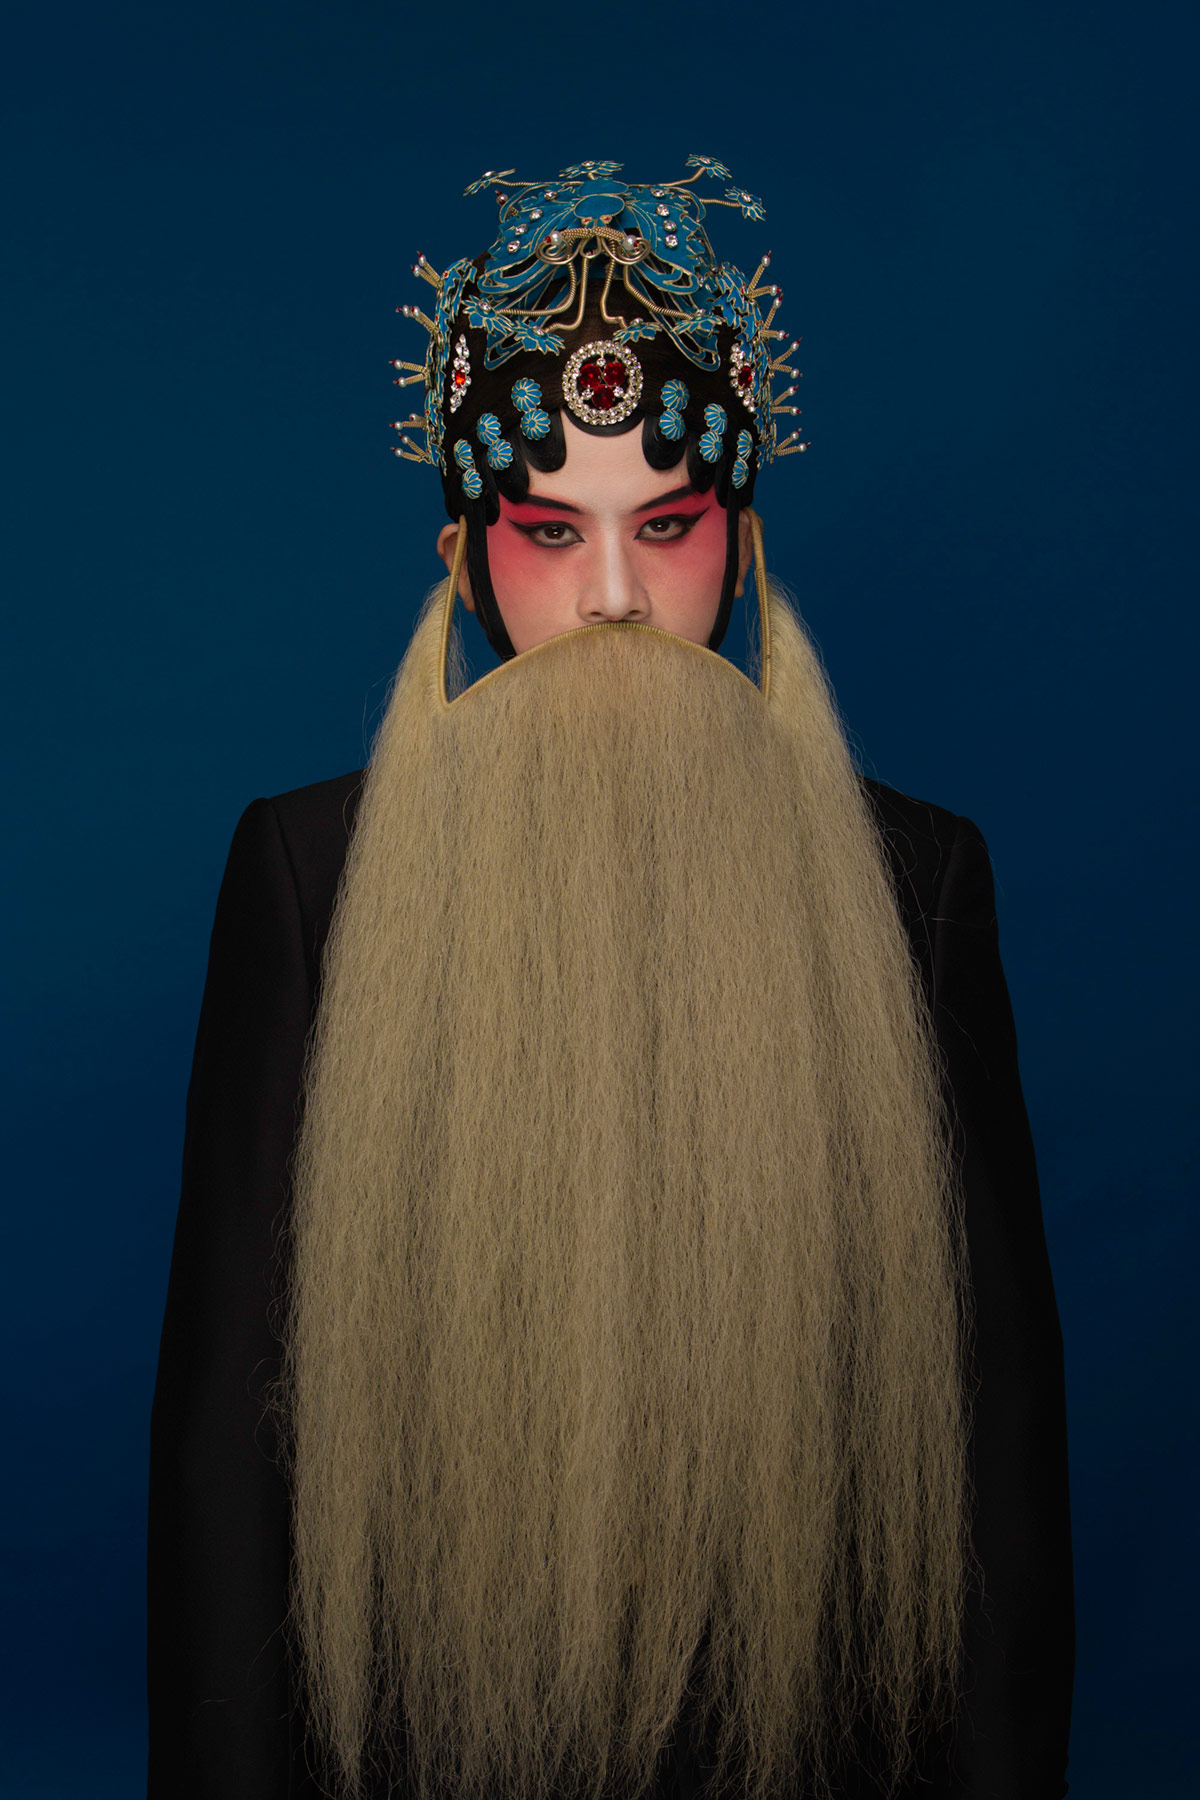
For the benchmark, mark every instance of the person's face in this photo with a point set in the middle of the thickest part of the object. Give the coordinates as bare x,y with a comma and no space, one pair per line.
606,537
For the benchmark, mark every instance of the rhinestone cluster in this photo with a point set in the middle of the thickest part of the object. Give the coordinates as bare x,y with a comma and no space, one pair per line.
741,377
602,383
460,374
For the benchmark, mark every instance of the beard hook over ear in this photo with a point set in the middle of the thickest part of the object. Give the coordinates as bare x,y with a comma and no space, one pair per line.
460,555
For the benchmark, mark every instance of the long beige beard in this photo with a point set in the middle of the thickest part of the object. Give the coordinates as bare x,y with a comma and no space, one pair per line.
627,1259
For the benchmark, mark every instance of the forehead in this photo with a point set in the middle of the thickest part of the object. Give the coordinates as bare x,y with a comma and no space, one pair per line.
605,471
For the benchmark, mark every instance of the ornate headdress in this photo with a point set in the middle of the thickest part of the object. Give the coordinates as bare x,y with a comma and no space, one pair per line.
658,286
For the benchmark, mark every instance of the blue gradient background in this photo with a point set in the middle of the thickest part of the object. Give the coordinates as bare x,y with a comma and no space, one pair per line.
984,223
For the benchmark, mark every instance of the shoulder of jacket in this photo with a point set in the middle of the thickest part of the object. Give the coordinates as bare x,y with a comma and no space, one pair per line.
904,815
318,799
314,824
316,820
918,837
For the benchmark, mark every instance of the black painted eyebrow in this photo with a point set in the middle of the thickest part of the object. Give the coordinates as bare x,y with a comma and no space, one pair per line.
540,500
664,499
647,506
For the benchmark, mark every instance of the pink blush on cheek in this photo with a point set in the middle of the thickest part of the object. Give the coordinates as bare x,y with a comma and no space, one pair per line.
517,564
704,545
530,583
686,575
676,582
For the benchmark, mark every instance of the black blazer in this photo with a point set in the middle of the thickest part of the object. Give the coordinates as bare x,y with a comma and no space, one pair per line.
223,1721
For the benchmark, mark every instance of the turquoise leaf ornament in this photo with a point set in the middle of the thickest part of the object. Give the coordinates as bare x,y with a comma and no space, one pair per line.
752,207
710,167
636,330
586,170
485,318
471,480
536,337
700,325
479,313
488,179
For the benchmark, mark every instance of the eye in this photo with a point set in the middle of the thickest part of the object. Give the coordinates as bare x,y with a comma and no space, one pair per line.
669,527
551,534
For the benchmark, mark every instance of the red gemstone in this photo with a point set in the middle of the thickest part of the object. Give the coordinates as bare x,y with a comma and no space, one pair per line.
745,376
602,384
460,378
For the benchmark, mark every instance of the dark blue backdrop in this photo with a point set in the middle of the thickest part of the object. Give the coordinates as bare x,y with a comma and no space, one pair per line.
981,220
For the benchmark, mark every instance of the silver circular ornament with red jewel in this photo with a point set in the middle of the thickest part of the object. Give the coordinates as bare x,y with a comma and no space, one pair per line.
602,382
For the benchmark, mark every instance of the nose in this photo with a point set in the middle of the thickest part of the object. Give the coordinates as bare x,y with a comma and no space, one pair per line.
613,587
